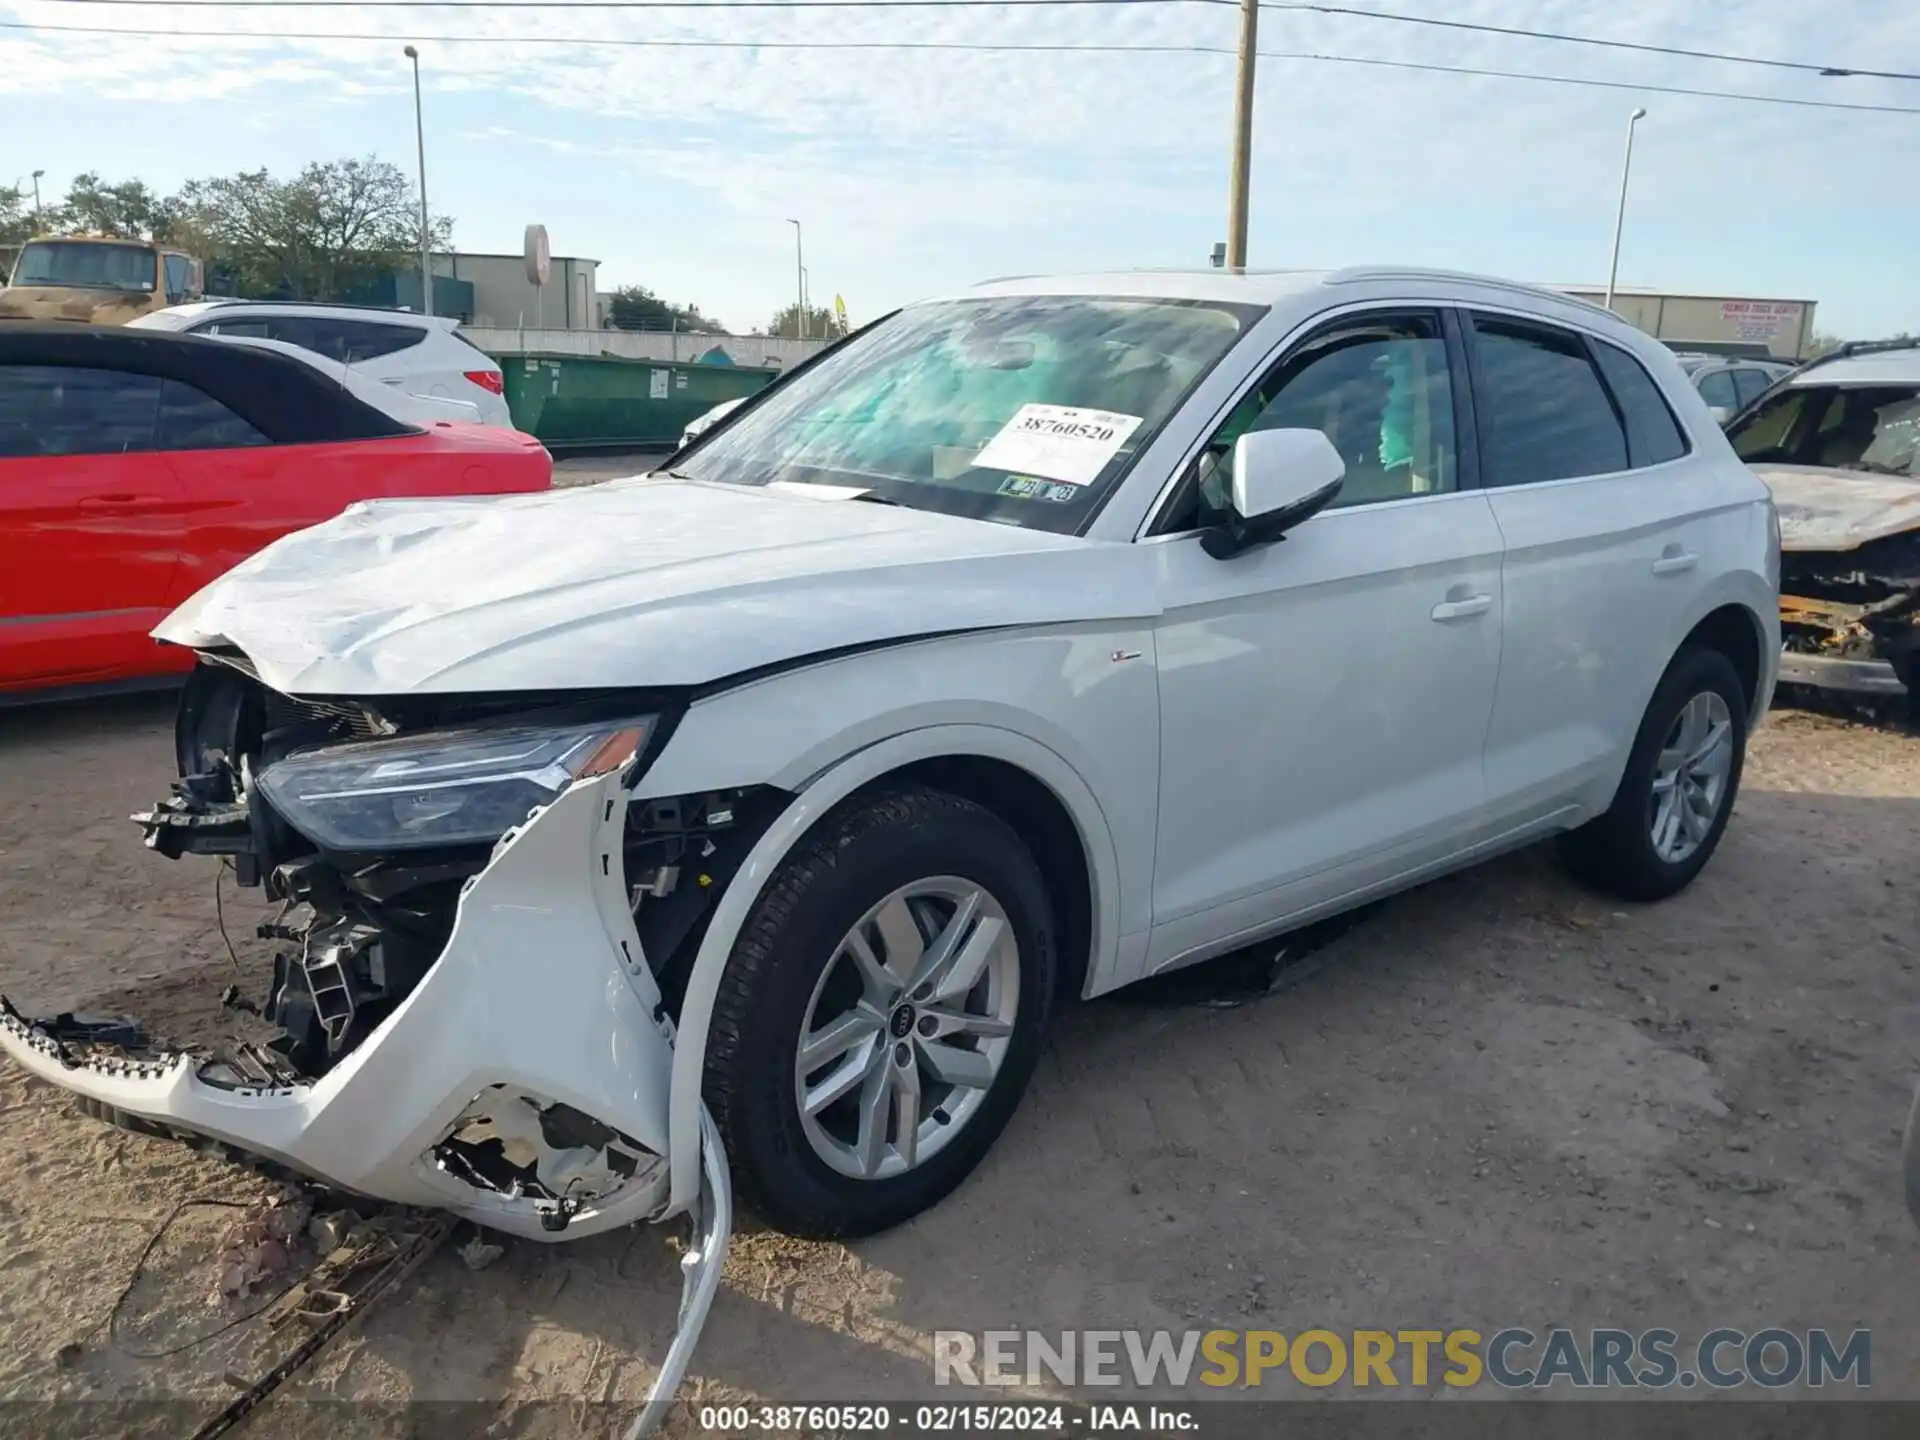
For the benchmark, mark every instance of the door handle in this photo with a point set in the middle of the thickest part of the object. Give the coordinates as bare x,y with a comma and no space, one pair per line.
1463,609
1675,561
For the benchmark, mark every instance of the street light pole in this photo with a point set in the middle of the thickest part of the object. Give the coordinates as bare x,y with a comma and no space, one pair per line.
799,280
420,139
1242,138
1620,215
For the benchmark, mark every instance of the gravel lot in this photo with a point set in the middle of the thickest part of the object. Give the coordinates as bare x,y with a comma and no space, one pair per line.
591,469
1503,1102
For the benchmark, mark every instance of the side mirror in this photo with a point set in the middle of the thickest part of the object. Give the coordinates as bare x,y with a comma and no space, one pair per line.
1721,413
1280,479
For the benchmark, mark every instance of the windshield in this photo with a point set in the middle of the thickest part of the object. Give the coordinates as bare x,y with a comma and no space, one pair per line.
1875,428
86,264
1025,410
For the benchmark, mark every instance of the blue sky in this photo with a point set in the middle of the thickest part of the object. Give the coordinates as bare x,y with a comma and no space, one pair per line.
915,172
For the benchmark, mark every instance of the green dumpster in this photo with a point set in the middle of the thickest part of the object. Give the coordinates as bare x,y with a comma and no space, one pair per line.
579,401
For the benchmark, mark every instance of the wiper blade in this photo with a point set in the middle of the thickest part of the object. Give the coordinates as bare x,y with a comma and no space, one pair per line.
873,497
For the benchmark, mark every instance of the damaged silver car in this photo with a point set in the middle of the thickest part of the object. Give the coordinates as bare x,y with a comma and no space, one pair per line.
1838,443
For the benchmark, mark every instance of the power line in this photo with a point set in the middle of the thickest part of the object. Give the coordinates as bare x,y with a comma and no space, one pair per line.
1559,37
622,4
1311,6
984,47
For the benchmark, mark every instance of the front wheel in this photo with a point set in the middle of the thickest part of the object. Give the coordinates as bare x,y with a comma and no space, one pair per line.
1677,791
881,1013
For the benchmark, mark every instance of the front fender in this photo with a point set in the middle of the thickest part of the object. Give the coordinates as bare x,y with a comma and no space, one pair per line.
826,790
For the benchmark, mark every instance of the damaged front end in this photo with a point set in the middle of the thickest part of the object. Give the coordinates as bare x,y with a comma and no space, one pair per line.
1850,620
466,1015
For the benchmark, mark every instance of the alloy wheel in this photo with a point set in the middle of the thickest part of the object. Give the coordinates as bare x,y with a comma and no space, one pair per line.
907,1027
1690,777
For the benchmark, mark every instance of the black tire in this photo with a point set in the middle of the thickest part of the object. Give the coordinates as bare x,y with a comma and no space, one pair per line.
854,859
1615,852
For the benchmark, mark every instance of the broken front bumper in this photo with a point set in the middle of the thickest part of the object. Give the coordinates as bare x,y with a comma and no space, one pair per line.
540,998
540,1004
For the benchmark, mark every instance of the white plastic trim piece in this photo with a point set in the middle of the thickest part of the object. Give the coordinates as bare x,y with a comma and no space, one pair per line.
700,1271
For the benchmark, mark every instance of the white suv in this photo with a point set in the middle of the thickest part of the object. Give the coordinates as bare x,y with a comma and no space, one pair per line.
759,816
420,354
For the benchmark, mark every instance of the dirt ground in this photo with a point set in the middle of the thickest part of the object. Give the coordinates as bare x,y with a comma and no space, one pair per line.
591,469
1504,1102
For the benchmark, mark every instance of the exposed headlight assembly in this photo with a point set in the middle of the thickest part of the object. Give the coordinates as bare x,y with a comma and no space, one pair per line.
452,787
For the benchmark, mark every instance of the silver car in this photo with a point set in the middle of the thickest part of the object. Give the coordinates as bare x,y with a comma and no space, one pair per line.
1729,385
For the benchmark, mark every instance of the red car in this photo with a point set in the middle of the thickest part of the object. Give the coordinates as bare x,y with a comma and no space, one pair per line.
137,465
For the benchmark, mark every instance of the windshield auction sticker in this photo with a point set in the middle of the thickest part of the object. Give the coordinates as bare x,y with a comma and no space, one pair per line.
1058,442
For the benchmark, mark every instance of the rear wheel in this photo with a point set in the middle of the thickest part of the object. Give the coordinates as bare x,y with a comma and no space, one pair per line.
881,1014
1677,791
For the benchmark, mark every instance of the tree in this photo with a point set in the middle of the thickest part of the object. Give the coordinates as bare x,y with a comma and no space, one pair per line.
16,216
820,324
332,228
635,307
128,210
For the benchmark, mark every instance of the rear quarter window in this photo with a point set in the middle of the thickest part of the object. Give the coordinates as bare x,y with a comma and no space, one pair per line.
370,339
1653,435
191,419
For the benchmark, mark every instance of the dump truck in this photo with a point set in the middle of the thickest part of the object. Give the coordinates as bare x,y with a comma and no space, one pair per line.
97,279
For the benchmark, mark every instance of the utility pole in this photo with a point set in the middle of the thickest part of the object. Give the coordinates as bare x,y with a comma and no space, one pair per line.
1620,215
799,280
36,197
420,139
1242,137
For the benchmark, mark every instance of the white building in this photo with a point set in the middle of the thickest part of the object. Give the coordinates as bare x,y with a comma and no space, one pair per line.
504,298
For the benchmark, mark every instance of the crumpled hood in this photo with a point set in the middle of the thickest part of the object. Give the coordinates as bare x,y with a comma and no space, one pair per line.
81,305
1827,509
638,582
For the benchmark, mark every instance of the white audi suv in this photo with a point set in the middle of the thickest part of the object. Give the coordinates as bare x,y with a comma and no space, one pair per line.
757,818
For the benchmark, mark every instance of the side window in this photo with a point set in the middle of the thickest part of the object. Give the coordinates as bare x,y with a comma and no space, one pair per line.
1545,414
370,339
349,341
1653,435
1749,383
69,410
191,419
179,276
246,329
1378,387
1717,389
1770,431
295,330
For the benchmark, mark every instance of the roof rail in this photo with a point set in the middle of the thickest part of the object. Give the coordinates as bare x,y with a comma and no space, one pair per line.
323,305
1355,274
1858,347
